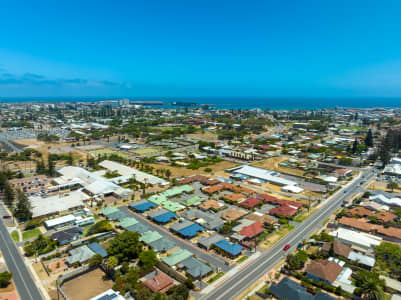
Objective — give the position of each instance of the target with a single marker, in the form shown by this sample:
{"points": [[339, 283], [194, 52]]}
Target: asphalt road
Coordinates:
{"points": [[26, 287], [235, 285]]}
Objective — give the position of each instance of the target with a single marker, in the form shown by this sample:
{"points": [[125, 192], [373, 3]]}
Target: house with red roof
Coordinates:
{"points": [[252, 231], [250, 203], [283, 211]]}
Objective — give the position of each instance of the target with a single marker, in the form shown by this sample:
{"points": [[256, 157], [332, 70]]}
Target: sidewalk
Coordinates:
{"points": [[230, 273]]}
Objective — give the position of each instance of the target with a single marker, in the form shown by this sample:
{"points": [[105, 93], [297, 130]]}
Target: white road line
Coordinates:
{"points": [[15, 263]]}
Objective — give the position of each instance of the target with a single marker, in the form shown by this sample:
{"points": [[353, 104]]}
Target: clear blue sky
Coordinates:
{"points": [[200, 48]]}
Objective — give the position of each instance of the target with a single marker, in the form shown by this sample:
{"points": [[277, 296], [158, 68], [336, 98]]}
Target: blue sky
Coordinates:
{"points": [[200, 48]]}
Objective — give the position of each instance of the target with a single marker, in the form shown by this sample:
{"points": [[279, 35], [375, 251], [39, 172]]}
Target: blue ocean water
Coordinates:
{"points": [[239, 103]]}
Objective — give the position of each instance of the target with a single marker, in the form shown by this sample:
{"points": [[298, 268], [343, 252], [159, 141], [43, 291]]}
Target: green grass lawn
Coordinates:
{"points": [[145, 150], [29, 234], [15, 236], [108, 152], [242, 259], [215, 277]]}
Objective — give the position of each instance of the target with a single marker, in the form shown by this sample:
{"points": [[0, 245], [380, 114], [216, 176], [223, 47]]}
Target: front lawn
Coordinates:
{"points": [[215, 277], [15, 236], [29, 234]]}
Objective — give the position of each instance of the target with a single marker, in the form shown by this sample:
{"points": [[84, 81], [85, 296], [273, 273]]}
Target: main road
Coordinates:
{"points": [[24, 283], [240, 281]]}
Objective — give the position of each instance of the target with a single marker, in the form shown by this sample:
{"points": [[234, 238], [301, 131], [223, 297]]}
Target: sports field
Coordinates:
{"points": [[109, 151]]}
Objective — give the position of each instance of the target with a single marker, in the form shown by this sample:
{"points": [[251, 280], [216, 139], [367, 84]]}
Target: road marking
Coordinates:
{"points": [[15, 263]]}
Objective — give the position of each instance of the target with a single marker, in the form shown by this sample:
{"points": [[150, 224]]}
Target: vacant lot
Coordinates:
{"points": [[87, 286], [273, 163], [108, 151], [208, 135], [382, 186], [183, 172]]}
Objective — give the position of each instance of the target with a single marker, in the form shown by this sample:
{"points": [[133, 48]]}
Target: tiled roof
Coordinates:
{"points": [[232, 214], [338, 247], [252, 230], [283, 210], [324, 269], [250, 202], [160, 282]]}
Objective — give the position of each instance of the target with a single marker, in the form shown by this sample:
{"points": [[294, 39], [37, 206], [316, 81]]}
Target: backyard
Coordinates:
{"points": [[87, 285]]}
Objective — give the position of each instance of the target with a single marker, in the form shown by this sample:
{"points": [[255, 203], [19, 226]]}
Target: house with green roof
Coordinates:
{"points": [[109, 210], [192, 201], [172, 206], [157, 199], [150, 236], [127, 222], [176, 257]]}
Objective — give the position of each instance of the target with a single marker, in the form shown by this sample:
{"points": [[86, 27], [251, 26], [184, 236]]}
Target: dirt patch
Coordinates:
{"points": [[210, 136], [273, 163], [10, 296], [9, 288], [382, 186], [87, 286], [40, 271], [57, 266]]}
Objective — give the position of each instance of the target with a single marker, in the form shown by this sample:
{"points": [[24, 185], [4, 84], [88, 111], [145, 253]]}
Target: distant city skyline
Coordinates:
{"points": [[200, 49]]}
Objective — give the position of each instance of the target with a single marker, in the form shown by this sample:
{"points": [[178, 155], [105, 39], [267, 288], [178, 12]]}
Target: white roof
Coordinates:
{"points": [[393, 169], [383, 199], [49, 205], [356, 238], [109, 294], [331, 179], [292, 189], [60, 220], [127, 171], [362, 259], [263, 174]]}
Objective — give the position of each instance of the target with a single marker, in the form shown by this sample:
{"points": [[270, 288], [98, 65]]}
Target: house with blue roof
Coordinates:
{"points": [[142, 206], [232, 250], [165, 218], [97, 249], [191, 230]]}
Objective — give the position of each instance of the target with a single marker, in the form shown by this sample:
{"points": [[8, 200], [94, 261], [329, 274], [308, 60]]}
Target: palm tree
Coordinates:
{"points": [[370, 284], [111, 263]]}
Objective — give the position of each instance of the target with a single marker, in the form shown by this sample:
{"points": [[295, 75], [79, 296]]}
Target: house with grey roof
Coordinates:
{"points": [[195, 268], [207, 220], [81, 255], [162, 245], [180, 225], [207, 242]]}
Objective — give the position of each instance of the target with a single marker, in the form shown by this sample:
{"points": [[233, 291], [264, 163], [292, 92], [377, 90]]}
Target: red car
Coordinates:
{"points": [[286, 247]]}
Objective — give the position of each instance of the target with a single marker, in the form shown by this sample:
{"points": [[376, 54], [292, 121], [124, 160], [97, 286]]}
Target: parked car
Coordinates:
{"points": [[7, 217]]}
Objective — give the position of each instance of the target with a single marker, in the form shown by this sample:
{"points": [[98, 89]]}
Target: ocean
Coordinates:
{"points": [[238, 103]]}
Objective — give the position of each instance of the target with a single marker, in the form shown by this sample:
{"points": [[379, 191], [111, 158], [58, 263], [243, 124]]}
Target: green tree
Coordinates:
{"points": [[392, 185], [111, 263], [371, 284], [95, 261], [369, 139], [9, 195], [5, 278], [125, 246], [148, 259], [23, 209]]}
